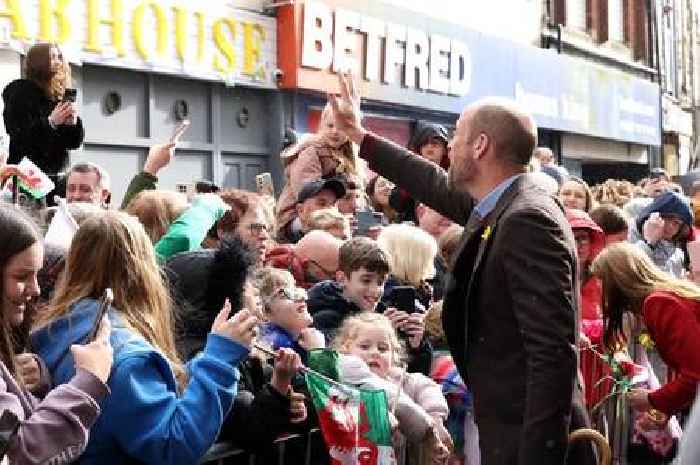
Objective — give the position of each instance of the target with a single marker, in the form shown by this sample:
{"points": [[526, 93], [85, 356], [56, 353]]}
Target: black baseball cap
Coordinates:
{"points": [[312, 188], [656, 173]]}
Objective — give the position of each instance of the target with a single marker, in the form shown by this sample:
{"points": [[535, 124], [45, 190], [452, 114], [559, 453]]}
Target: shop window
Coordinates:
{"points": [[576, 15], [616, 29]]}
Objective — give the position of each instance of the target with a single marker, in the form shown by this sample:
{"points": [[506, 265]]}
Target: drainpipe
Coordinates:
{"points": [[655, 52]]}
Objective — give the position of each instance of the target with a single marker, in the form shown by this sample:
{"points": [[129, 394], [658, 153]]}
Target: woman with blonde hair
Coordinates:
{"points": [[41, 125], [156, 210], [666, 308], [411, 254], [327, 154], [159, 411]]}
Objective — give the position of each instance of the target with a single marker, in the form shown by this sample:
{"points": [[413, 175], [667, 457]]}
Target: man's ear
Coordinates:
{"points": [[481, 145]]}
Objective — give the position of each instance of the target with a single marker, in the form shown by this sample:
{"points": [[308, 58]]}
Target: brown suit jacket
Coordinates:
{"points": [[510, 308]]}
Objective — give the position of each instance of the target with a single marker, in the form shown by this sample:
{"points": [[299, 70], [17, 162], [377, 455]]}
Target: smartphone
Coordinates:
{"points": [[367, 220], [179, 131], [9, 423], [69, 95], [404, 298], [263, 184], [105, 303]]}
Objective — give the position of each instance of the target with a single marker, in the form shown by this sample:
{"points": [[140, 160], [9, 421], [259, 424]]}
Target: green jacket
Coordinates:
{"points": [[189, 230], [141, 182]]}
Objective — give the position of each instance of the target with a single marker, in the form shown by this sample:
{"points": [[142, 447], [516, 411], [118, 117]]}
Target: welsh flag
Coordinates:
{"points": [[354, 422]]}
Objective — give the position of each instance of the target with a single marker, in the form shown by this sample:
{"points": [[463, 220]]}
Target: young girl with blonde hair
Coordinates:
{"points": [[327, 154], [665, 307], [159, 411], [372, 338]]}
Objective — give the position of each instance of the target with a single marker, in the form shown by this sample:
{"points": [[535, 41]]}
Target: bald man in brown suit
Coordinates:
{"points": [[510, 307]]}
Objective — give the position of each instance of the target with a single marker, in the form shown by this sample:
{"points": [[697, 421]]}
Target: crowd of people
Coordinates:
{"points": [[370, 249]]}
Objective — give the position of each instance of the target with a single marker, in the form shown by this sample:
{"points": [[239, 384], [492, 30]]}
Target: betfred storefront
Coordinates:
{"points": [[413, 67], [140, 66]]}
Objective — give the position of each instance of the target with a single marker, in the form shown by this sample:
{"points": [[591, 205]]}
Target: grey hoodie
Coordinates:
{"points": [[55, 430]]}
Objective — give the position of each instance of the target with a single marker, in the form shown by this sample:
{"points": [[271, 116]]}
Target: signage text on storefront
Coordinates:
{"points": [[205, 39]]}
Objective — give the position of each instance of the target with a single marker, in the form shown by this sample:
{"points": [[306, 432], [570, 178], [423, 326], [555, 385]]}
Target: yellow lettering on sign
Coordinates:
{"points": [[115, 21], [50, 12], [253, 36], [180, 32], [223, 40], [201, 35], [14, 14], [161, 28]]}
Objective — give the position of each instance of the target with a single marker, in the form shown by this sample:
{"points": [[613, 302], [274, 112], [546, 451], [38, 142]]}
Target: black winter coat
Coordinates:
{"points": [[329, 308], [27, 109]]}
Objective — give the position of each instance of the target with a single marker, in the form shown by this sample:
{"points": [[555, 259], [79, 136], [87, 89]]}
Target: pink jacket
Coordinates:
{"points": [[414, 421], [423, 391], [309, 160], [54, 430]]}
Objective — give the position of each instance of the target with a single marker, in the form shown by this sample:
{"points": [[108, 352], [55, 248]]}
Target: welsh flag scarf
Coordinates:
{"points": [[354, 422]]}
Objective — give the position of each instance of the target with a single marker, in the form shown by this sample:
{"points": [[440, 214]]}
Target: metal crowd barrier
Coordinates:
{"points": [[286, 450]]}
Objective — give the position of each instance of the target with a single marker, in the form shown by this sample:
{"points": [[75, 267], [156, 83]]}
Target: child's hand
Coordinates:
{"points": [[239, 328], [397, 317], [414, 327], [312, 338], [297, 408], [444, 435], [287, 363], [441, 453]]}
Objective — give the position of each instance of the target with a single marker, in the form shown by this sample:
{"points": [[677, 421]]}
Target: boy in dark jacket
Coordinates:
{"points": [[359, 284]]}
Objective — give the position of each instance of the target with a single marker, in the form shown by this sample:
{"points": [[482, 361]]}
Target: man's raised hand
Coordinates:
{"points": [[346, 109]]}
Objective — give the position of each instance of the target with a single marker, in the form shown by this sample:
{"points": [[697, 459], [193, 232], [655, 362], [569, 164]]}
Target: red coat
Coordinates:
{"points": [[674, 326]]}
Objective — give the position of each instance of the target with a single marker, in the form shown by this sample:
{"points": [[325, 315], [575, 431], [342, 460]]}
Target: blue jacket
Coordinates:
{"points": [[144, 420], [277, 338]]}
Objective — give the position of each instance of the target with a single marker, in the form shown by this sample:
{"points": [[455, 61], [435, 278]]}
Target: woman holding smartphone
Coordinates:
{"points": [[39, 115], [54, 430]]}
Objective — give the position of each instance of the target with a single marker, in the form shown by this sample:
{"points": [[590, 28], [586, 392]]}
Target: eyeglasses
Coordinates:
{"points": [[295, 294], [258, 228]]}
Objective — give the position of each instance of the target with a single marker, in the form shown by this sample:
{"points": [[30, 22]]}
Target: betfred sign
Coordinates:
{"points": [[396, 58], [390, 53]]}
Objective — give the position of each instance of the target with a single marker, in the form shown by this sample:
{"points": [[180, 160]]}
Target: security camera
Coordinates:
{"points": [[278, 74]]}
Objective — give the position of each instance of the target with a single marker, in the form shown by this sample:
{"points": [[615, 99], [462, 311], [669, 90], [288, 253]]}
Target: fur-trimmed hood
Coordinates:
{"points": [[200, 282]]}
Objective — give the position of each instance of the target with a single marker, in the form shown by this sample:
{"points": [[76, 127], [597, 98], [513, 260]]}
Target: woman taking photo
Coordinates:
{"points": [[56, 429], [666, 308], [41, 125], [159, 411]]}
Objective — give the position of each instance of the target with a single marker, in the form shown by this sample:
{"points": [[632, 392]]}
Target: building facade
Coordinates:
{"points": [[414, 66], [141, 66]]}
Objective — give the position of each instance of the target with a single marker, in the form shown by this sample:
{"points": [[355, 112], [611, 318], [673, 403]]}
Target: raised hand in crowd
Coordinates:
{"points": [[287, 364], [346, 109], [239, 328], [653, 229], [28, 370], [411, 324], [160, 155], [63, 114], [414, 327], [96, 357]]}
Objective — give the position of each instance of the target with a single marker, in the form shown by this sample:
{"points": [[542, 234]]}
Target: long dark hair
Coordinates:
{"points": [[17, 233], [37, 68]]}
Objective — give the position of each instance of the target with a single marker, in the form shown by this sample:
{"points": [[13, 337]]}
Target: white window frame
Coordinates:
{"points": [[616, 18], [576, 15]]}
